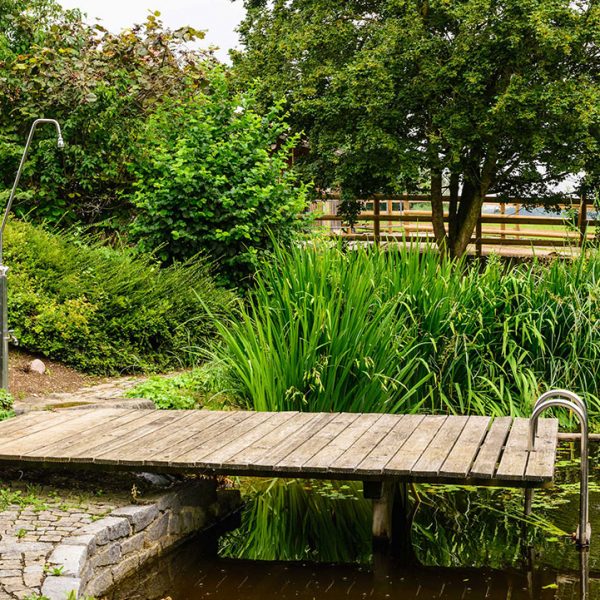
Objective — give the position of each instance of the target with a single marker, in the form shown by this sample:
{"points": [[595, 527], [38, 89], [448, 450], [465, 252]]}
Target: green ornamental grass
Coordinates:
{"points": [[401, 330]]}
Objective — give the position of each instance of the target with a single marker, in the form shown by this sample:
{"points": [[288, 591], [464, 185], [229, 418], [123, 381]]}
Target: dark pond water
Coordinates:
{"points": [[309, 540]]}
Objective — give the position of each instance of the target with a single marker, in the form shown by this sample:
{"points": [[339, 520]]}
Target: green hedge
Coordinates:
{"points": [[107, 310]]}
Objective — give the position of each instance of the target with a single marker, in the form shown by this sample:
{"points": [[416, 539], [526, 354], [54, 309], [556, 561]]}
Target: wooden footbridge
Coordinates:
{"points": [[372, 447], [385, 451]]}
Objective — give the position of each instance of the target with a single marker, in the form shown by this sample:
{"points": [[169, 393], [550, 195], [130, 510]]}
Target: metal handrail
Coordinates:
{"points": [[577, 405], [568, 395]]}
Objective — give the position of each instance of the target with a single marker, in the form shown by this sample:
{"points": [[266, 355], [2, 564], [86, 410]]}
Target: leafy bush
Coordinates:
{"points": [[212, 175], [204, 387], [6, 405], [107, 310], [101, 87], [399, 331]]}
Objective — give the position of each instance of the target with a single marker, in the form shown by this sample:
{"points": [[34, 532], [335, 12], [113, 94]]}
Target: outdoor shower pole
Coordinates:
{"points": [[4, 333]]}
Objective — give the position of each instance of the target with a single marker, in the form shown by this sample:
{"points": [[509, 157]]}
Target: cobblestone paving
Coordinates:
{"points": [[101, 394], [29, 534]]}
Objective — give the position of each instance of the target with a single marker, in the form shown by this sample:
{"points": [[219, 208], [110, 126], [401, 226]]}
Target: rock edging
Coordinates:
{"points": [[106, 551]]}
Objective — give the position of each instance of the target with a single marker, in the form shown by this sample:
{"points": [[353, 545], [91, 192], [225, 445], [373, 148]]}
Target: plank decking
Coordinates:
{"points": [[472, 449]]}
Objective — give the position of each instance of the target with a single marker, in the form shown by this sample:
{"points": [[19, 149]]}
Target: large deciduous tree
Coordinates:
{"points": [[471, 96]]}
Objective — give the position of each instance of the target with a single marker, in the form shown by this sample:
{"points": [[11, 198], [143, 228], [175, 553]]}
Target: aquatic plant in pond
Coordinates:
{"points": [[330, 521], [399, 330], [302, 520]]}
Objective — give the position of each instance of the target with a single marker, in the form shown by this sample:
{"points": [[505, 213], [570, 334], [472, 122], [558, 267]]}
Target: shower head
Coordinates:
{"points": [[60, 142]]}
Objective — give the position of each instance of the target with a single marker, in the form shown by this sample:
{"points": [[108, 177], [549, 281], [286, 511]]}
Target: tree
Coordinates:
{"points": [[473, 96], [101, 87], [212, 176]]}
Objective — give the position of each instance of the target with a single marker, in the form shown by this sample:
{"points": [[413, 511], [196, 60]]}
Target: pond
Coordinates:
{"points": [[311, 539]]}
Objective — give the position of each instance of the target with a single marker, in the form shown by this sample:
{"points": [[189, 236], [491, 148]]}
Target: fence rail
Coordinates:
{"points": [[501, 223]]}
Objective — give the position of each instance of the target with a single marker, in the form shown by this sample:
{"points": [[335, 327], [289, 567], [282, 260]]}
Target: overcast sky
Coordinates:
{"points": [[218, 17]]}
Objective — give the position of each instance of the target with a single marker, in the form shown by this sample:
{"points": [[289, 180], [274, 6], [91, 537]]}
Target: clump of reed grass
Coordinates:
{"points": [[400, 330]]}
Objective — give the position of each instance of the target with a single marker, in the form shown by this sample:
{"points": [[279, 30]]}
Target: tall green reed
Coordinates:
{"points": [[400, 330]]}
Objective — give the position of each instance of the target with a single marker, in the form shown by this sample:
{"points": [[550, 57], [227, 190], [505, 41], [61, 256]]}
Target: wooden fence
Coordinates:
{"points": [[502, 222]]}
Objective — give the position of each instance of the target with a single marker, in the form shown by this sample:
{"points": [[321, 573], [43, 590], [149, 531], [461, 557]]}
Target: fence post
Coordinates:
{"points": [[582, 220], [376, 222]]}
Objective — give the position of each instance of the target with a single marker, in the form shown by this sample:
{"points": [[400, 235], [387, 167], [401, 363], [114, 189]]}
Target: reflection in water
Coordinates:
{"points": [[469, 544]]}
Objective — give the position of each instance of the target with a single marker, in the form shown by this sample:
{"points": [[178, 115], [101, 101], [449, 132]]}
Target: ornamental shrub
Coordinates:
{"points": [[212, 175], [101, 86], [106, 310]]}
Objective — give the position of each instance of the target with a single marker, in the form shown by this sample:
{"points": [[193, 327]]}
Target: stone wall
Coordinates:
{"points": [[106, 551]]}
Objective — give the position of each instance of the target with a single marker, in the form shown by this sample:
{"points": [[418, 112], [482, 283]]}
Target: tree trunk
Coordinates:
{"points": [[471, 201], [437, 211], [467, 225], [453, 207]]}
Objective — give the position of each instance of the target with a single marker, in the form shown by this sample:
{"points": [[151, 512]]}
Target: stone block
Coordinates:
{"points": [[132, 544], [109, 555], [71, 558], [58, 588], [150, 552], [98, 584], [139, 517], [157, 529], [125, 567], [107, 529], [85, 539]]}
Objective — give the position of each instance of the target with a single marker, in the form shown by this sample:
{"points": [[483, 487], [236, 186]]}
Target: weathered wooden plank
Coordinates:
{"points": [[267, 450], [111, 423], [32, 423], [404, 460], [321, 461], [110, 452], [287, 447], [369, 445], [540, 465], [377, 459], [487, 459], [434, 456], [355, 454], [154, 447], [214, 436], [514, 458], [230, 430], [299, 456], [14, 427], [253, 430], [461, 457], [57, 428]]}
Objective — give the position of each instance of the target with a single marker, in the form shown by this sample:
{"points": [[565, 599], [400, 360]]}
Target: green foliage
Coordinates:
{"points": [[6, 400], [166, 392], [212, 176], [399, 331], [106, 310], [480, 96], [204, 387], [101, 87], [302, 520]]}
